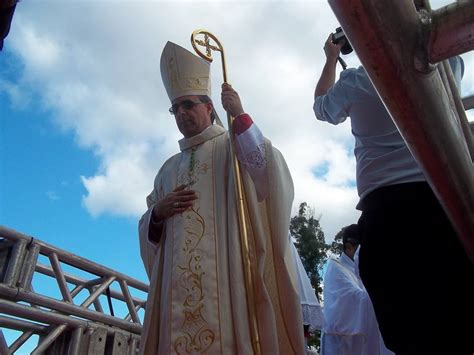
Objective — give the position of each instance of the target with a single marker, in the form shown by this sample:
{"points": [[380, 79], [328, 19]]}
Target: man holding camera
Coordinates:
{"points": [[411, 261]]}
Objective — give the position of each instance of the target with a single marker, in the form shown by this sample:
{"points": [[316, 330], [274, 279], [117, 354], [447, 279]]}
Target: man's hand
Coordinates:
{"points": [[173, 203], [332, 50], [231, 100], [328, 76]]}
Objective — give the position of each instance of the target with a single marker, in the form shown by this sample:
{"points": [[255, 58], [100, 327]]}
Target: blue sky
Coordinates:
{"points": [[84, 125], [41, 190]]}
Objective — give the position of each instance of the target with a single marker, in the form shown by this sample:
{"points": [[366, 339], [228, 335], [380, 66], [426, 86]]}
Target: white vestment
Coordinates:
{"points": [[350, 324], [310, 307], [197, 303]]}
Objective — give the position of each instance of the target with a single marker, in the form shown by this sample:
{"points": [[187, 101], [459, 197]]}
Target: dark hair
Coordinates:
{"points": [[351, 235], [206, 99]]}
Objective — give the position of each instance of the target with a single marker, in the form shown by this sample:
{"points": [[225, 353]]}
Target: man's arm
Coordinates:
{"points": [[328, 76], [250, 142]]}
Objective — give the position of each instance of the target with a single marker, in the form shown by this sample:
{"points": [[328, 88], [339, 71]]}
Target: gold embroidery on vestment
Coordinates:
{"points": [[195, 333]]}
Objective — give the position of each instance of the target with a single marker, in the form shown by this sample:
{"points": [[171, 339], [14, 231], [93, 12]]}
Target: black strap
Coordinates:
{"points": [[109, 300]]}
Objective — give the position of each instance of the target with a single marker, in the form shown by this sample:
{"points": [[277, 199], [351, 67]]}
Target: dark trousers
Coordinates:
{"points": [[416, 272]]}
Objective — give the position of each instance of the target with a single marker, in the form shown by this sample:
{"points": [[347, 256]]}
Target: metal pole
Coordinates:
{"points": [[128, 298], [3, 345], [21, 325], [97, 292], [21, 340], [453, 91], [59, 276], [452, 31], [72, 259], [29, 266], [14, 265], [62, 307], [75, 343], [386, 36], [46, 342], [468, 102]]}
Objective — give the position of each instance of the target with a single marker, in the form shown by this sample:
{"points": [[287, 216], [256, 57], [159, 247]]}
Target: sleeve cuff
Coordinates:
{"points": [[241, 123]]}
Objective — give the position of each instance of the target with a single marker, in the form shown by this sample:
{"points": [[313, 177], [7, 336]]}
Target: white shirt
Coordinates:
{"points": [[381, 154]]}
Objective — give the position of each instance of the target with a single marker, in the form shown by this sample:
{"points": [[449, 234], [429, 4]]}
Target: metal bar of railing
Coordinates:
{"points": [[41, 315], [459, 108], [133, 346], [468, 102], [75, 344], [63, 307], [75, 291], [21, 340], [98, 306], [59, 276], [94, 282], [128, 298], [48, 340], [38, 314], [72, 259], [29, 266], [22, 325], [13, 270], [97, 292], [128, 316], [81, 284], [3, 345], [451, 32]]}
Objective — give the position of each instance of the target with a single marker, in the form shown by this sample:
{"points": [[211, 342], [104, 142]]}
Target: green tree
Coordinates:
{"points": [[312, 248], [336, 245], [310, 243]]}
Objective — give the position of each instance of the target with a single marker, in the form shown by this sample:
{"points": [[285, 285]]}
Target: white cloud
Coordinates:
{"points": [[53, 196], [99, 74]]}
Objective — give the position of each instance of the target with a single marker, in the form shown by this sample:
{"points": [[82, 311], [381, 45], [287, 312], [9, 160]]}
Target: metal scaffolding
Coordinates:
{"points": [[403, 46], [66, 325]]}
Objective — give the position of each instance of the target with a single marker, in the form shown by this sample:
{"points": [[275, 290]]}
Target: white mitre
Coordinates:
{"points": [[184, 73]]}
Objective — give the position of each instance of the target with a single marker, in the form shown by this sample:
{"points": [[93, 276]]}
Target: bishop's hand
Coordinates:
{"points": [[231, 101], [177, 201]]}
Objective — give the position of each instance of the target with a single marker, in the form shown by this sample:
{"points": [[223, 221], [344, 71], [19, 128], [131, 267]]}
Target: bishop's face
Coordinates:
{"points": [[192, 116]]}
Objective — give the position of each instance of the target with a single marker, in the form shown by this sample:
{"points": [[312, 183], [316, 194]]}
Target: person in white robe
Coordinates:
{"points": [[189, 236], [350, 324], [313, 318]]}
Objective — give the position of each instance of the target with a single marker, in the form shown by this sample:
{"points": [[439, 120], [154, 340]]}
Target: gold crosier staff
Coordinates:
{"points": [[241, 201]]}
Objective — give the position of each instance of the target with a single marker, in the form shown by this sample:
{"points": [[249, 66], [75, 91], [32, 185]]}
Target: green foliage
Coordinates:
{"points": [[310, 243], [336, 245], [312, 248]]}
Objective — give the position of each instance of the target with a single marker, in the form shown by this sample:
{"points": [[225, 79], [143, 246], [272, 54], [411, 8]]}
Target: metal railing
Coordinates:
{"points": [[66, 325]]}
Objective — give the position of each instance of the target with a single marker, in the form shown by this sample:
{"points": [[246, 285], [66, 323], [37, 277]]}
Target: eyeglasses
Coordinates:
{"points": [[186, 104]]}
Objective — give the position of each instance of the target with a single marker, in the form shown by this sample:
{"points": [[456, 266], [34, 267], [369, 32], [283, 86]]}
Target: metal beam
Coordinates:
{"points": [[468, 102], [72, 259], [451, 30], [63, 307], [388, 38]]}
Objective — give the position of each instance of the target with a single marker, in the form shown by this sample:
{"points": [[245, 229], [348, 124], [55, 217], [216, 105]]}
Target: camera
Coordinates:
{"points": [[340, 37]]}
